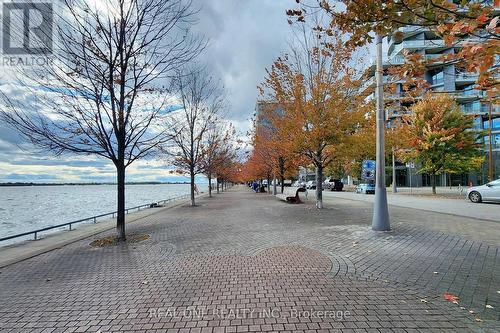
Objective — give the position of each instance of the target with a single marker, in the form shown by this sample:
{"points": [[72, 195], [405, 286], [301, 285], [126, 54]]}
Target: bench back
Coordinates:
{"points": [[292, 191]]}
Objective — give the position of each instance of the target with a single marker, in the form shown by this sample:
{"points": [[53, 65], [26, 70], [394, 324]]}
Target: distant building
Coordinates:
{"points": [[306, 174], [443, 76], [263, 107]]}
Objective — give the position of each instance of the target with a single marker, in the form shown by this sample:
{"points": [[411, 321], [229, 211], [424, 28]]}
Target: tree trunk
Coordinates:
{"points": [[209, 176], [268, 184], [191, 174], [282, 173], [120, 218], [217, 181], [319, 187], [433, 182]]}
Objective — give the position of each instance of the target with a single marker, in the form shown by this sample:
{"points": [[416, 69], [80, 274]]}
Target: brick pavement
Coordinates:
{"points": [[245, 262]]}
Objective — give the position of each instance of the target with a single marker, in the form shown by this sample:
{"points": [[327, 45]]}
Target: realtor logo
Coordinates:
{"points": [[27, 28]]}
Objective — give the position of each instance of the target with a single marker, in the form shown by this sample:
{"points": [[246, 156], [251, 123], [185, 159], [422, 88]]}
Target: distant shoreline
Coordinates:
{"points": [[89, 184]]}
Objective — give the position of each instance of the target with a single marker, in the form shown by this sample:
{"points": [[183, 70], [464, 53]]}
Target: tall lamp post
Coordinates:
{"points": [[380, 220], [394, 186], [490, 138]]}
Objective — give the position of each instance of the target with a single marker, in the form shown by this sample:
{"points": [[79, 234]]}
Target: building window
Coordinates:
{"points": [[471, 107], [478, 121], [495, 122], [437, 78], [495, 138]]}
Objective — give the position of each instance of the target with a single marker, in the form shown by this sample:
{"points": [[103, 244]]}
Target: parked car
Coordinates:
{"points": [[365, 188], [486, 192], [311, 185], [333, 184]]}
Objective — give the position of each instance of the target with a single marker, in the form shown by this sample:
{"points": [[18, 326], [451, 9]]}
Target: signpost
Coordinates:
{"points": [[368, 170]]}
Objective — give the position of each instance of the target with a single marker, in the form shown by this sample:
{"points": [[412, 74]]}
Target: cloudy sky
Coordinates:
{"points": [[245, 36]]}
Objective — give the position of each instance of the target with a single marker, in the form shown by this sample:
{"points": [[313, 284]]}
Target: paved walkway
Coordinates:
{"points": [[246, 262]]}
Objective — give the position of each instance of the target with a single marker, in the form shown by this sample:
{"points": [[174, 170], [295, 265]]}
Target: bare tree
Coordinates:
{"points": [[103, 93], [202, 100]]}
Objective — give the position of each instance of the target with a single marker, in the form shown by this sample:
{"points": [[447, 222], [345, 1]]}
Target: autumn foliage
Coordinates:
{"points": [[322, 116], [473, 26], [441, 138]]}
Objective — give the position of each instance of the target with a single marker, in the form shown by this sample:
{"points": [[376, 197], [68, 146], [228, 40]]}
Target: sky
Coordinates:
{"points": [[244, 37]]}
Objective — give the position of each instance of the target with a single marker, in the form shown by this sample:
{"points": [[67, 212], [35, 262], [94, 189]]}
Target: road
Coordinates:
{"points": [[483, 211]]}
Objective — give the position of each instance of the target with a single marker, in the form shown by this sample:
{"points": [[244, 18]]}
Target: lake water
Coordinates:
{"points": [[26, 208]]}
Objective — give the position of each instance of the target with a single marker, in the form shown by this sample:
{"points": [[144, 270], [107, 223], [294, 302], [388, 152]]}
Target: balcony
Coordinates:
{"points": [[468, 96], [371, 83], [426, 44], [418, 44], [464, 78]]}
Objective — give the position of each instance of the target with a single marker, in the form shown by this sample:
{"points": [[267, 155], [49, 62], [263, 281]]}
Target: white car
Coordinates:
{"points": [[486, 192], [311, 185]]}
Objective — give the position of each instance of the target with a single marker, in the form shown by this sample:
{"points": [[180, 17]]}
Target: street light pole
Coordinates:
{"points": [[490, 138], [394, 187], [380, 220]]}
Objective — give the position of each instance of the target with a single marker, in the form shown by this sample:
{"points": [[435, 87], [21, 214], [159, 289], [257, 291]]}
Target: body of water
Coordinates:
{"points": [[26, 208]]}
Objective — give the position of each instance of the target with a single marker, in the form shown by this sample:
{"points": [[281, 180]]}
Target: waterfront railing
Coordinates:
{"points": [[94, 219]]}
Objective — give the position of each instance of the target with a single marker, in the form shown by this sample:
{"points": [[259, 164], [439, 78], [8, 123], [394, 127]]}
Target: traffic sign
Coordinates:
{"points": [[368, 165]]}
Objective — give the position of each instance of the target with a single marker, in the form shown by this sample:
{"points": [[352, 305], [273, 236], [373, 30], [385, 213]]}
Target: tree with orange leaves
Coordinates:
{"points": [[217, 151], [260, 163], [441, 138], [266, 141], [323, 113], [454, 21]]}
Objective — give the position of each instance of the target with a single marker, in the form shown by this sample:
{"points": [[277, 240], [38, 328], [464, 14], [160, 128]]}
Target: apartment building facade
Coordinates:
{"points": [[442, 76]]}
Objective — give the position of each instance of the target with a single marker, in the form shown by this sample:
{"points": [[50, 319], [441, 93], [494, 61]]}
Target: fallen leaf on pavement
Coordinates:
{"points": [[471, 311], [144, 282], [423, 300], [479, 320], [489, 306], [450, 297]]}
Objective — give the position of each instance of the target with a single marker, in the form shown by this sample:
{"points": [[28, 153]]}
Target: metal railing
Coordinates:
{"points": [[93, 218]]}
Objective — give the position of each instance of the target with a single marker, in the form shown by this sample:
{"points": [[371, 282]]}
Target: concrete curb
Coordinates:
{"points": [[14, 253]]}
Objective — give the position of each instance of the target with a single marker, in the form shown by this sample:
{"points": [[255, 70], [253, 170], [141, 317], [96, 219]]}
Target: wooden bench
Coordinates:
{"points": [[286, 196]]}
